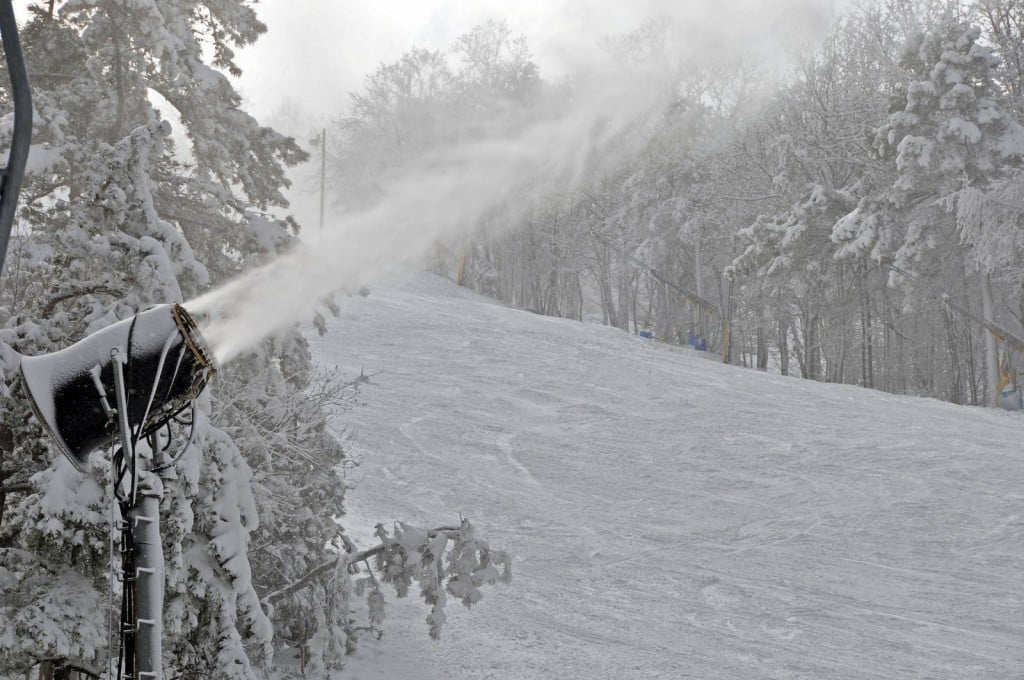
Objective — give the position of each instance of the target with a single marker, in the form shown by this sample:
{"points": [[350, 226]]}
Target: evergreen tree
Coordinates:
{"points": [[117, 218], [948, 131]]}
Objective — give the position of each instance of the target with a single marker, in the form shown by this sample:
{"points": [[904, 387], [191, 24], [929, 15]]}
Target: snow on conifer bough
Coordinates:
{"points": [[73, 391]]}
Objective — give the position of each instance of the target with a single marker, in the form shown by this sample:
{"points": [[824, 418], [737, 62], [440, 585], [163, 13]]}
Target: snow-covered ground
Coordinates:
{"points": [[673, 517]]}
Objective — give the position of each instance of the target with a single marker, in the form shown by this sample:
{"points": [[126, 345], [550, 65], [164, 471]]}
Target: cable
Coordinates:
{"points": [[184, 448], [174, 374], [152, 393]]}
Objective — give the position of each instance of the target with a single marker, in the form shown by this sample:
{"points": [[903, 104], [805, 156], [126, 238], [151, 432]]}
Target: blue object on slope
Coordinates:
{"points": [[1011, 399]]}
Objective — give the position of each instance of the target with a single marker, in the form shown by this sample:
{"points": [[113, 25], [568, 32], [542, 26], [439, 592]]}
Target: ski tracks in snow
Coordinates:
{"points": [[672, 517]]}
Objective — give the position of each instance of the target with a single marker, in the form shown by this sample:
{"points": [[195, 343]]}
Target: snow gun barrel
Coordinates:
{"points": [[166, 364]]}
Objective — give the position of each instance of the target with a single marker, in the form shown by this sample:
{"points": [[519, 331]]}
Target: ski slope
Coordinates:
{"points": [[671, 516]]}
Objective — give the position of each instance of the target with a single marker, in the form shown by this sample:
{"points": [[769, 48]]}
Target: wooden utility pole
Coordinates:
{"points": [[323, 175]]}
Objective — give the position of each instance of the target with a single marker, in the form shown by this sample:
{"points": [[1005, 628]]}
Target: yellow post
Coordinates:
{"points": [[1005, 378], [725, 341], [460, 272]]}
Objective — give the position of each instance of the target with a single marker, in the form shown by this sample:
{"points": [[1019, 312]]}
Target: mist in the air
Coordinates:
{"points": [[447, 191], [443, 195]]}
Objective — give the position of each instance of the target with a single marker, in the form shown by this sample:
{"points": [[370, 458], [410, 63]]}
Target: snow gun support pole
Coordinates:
{"points": [[13, 174], [127, 381], [142, 558]]}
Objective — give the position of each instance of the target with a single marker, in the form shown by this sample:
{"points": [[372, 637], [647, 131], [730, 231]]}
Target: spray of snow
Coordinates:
{"points": [[445, 195], [450, 192]]}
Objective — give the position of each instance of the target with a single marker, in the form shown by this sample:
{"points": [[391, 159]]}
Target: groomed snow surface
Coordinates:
{"points": [[671, 516]]}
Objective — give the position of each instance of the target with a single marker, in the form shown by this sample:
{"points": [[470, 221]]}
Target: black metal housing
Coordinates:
{"points": [[72, 391]]}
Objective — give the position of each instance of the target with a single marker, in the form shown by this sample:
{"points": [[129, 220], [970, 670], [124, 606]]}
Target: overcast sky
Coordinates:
{"points": [[315, 51], [298, 75]]}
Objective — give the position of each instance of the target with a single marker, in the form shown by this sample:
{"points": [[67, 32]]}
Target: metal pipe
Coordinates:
{"points": [[149, 581], [21, 93], [146, 559], [127, 446]]}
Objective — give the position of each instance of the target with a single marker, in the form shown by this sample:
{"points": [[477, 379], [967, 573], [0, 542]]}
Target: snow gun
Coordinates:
{"points": [[128, 379], [124, 382]]}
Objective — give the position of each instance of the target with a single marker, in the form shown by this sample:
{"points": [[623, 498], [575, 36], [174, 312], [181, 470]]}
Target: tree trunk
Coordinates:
{"points": [[6, 444], [698, 279], [119, 76], [3, 494], [762, 349], [991, 350], [972, 360], [867, 372], [609, 317], [835, 366], [578, 293], [623, 292], [725, 310], [783, 322], [811, 349], [956, 386]]}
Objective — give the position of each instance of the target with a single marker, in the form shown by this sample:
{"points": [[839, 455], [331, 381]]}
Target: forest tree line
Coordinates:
{"points": [[825, 216]]}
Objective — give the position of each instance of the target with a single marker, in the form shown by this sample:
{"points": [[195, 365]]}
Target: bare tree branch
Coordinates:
{"points": [[52, 304], [59, 664]]}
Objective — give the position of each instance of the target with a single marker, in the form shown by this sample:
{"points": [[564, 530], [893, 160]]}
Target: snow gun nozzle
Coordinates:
{"points": [[158, 355]]}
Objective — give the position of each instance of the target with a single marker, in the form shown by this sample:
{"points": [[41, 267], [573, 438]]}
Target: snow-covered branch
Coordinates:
{"points": [[307, 579], [444, 561], [50, 667]]}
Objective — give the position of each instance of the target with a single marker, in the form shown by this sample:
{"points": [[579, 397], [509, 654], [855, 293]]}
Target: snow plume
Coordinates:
{"points": [[450, 192], [446, 194]]}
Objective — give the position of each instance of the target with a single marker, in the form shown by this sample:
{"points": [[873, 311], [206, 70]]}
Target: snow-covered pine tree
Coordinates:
{"points": [[116, 218], [952, 138], [948, 131]]}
